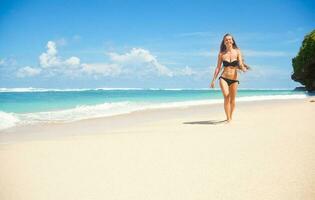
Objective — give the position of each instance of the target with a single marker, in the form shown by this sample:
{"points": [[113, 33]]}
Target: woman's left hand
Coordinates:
{"points": [[212, 84]]}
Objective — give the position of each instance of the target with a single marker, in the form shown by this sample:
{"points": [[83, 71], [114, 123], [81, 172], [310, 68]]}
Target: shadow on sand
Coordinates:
{"points": [[210, 122]]}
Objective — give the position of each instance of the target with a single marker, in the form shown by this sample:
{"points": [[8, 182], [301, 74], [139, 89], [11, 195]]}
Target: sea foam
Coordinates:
{"points": [[8, 120]]}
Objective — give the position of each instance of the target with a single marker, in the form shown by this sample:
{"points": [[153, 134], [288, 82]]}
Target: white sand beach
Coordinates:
{"points": [[265, 153]]}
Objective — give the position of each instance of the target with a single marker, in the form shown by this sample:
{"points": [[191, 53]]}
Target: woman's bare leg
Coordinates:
{"points": [[233, 92], [225, 91]]}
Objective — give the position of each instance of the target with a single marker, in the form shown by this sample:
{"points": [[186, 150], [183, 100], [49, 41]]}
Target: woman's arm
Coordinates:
{"points": [[240, 60], [217, 70]]}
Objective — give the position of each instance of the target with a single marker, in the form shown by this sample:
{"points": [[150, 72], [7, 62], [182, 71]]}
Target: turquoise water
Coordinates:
{"points": [[27, 102], [42, 105]]}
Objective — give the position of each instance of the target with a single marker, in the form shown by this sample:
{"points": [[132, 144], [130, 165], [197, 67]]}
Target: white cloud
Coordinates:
{"points": [[187, 71], [51, 63], [103, 69], [28, 72], [135, 55], [142, 57], [49, 58], [72, 61], [137, 62]]}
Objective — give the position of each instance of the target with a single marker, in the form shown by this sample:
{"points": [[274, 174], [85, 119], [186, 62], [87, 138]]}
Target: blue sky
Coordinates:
{"points": [[147, 44]]}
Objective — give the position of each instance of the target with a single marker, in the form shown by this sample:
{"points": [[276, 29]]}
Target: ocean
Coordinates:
{"points": [[20, 106]]}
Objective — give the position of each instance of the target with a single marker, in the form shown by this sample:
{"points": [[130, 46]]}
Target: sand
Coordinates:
{"points": [[267, 152]]}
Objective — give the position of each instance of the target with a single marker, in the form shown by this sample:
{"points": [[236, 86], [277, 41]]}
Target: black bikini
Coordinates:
{"points": [[229, 81], [233, 64], [227, 63]]}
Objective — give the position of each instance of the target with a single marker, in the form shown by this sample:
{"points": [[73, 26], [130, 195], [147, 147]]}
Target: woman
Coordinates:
{"points": [[231, 57]]}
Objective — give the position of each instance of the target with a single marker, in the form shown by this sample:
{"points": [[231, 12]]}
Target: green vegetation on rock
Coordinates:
{"points": [[304, 63]]}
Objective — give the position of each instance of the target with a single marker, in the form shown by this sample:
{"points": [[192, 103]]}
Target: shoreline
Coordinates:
{"points": [[66, 110], [127, 120], [11, 117]]}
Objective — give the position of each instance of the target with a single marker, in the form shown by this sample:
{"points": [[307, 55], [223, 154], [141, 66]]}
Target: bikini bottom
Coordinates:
{"points": [[229, 81]]}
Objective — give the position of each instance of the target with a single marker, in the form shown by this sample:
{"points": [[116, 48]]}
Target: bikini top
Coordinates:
{"points": [[227, 63]]}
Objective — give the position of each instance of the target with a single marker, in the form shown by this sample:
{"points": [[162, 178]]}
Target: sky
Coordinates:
{"points": [[147, 44]]}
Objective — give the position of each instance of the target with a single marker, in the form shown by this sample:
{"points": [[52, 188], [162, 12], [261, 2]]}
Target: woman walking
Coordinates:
{"points": [[231, 58]]}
